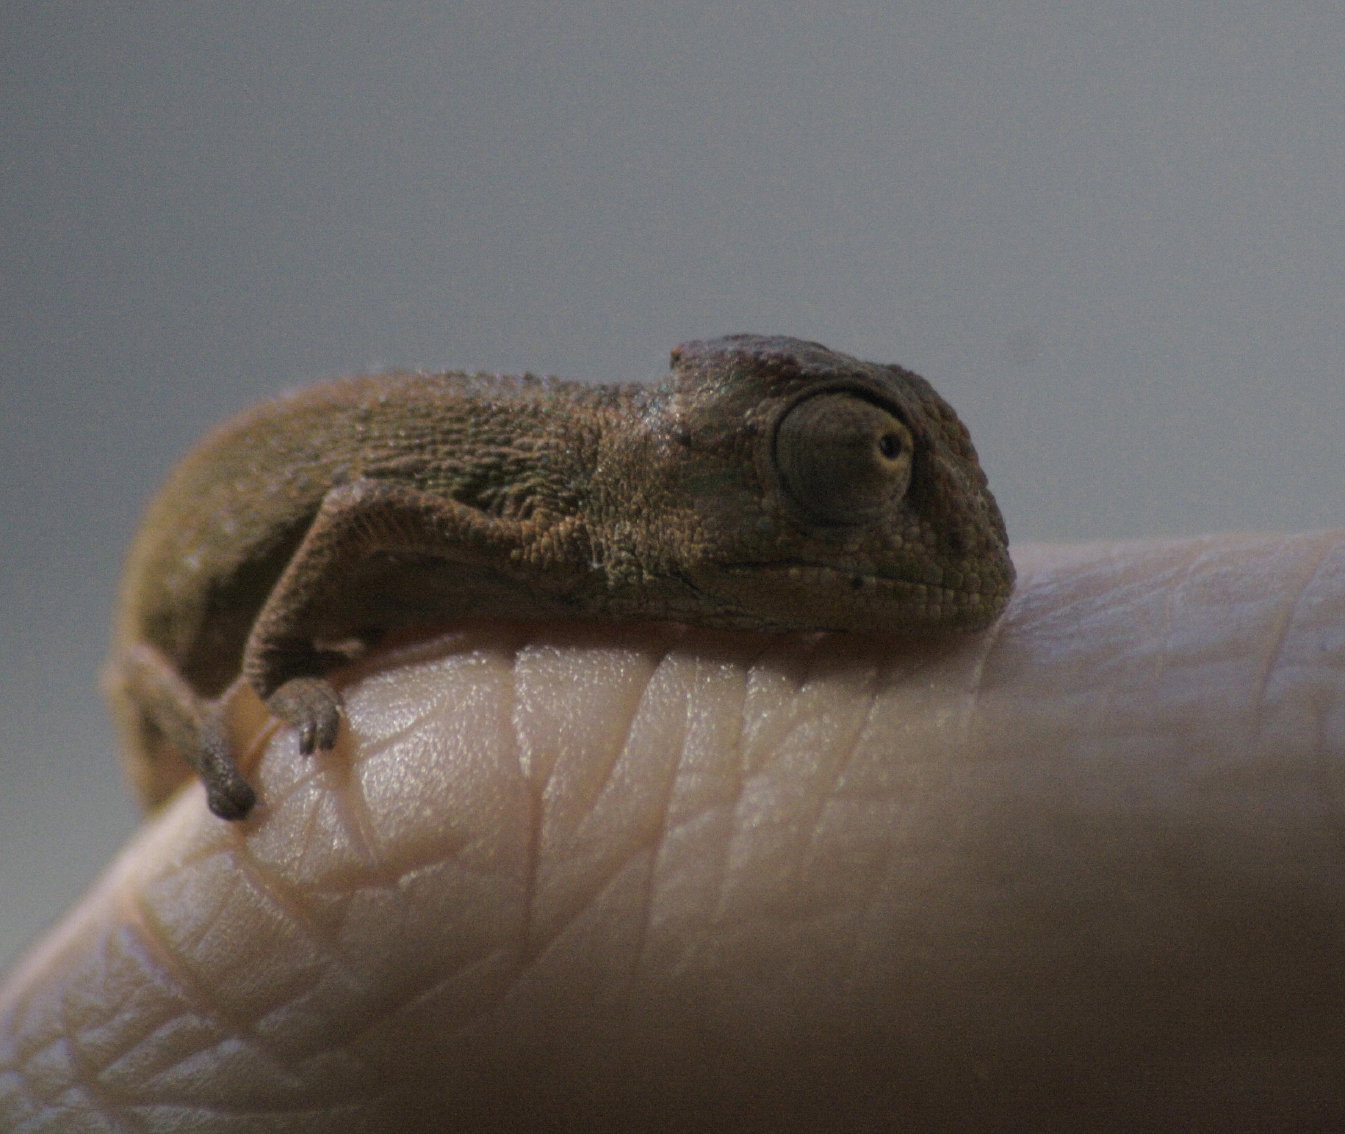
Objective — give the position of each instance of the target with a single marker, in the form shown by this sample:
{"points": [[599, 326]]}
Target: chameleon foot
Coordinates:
{"points": [[230, 801], [227, 793], [312, 706]]}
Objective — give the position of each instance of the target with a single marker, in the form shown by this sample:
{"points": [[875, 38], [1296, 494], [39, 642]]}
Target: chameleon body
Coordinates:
{"points": [[767, 483]]}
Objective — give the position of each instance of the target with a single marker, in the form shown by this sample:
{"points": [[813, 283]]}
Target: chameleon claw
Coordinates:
{"points": [[326, 727]]}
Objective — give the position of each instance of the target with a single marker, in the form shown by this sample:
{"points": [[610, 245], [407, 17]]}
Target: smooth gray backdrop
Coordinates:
{"points": [[1112, 233]]}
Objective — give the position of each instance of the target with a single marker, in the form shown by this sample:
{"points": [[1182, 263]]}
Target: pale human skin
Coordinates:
{"points": [[1084, 871]]}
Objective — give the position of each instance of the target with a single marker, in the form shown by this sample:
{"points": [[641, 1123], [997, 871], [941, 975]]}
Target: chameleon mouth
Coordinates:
{"points": [[858, 582], [836, 598]]}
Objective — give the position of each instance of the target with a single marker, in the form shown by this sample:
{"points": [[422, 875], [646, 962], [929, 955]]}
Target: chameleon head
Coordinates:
{"points": [[813, 490]]}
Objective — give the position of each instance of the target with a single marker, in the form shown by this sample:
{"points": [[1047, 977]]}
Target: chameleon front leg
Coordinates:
{"points": [[281, 660]]}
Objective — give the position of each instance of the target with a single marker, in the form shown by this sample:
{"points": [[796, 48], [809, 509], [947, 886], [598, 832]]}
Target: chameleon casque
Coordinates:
{"points": [[768, 484]]}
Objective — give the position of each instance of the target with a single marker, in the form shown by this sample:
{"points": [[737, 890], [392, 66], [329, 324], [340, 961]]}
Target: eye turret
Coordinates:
{"points": [[843, 459]]}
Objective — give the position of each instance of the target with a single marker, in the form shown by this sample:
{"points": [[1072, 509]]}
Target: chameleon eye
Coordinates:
{"points": [[841, 458]]}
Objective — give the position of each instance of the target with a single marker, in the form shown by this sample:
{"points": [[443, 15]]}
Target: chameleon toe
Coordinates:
{"points": [[312, 706]]}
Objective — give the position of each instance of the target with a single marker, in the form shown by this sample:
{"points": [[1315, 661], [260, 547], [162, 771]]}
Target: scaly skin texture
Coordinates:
{"points": [[768, 484]]}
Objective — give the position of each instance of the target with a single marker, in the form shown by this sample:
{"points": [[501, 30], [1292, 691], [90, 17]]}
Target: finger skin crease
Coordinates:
{"points": [[657, 840], [755, 767], [95, 1080], [1286, 624], [679, 817], [538, 941], [166, 967], [279, 895], [829, 795], [536, 791], [86, 1086], [1294, 671], [357, 824], [981, 664]]}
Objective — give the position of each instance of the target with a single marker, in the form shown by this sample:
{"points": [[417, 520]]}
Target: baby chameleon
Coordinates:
{"points": [[767, 483]]}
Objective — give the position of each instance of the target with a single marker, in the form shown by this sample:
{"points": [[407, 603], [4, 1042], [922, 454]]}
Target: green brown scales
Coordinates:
{"points": [[767, 484]]}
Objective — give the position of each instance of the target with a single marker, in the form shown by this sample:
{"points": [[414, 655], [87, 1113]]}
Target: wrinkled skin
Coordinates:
{"points": [[1080, 873]]}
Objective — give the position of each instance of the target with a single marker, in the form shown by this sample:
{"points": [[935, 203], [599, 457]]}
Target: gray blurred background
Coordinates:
{"points": [[1110, 233]]}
